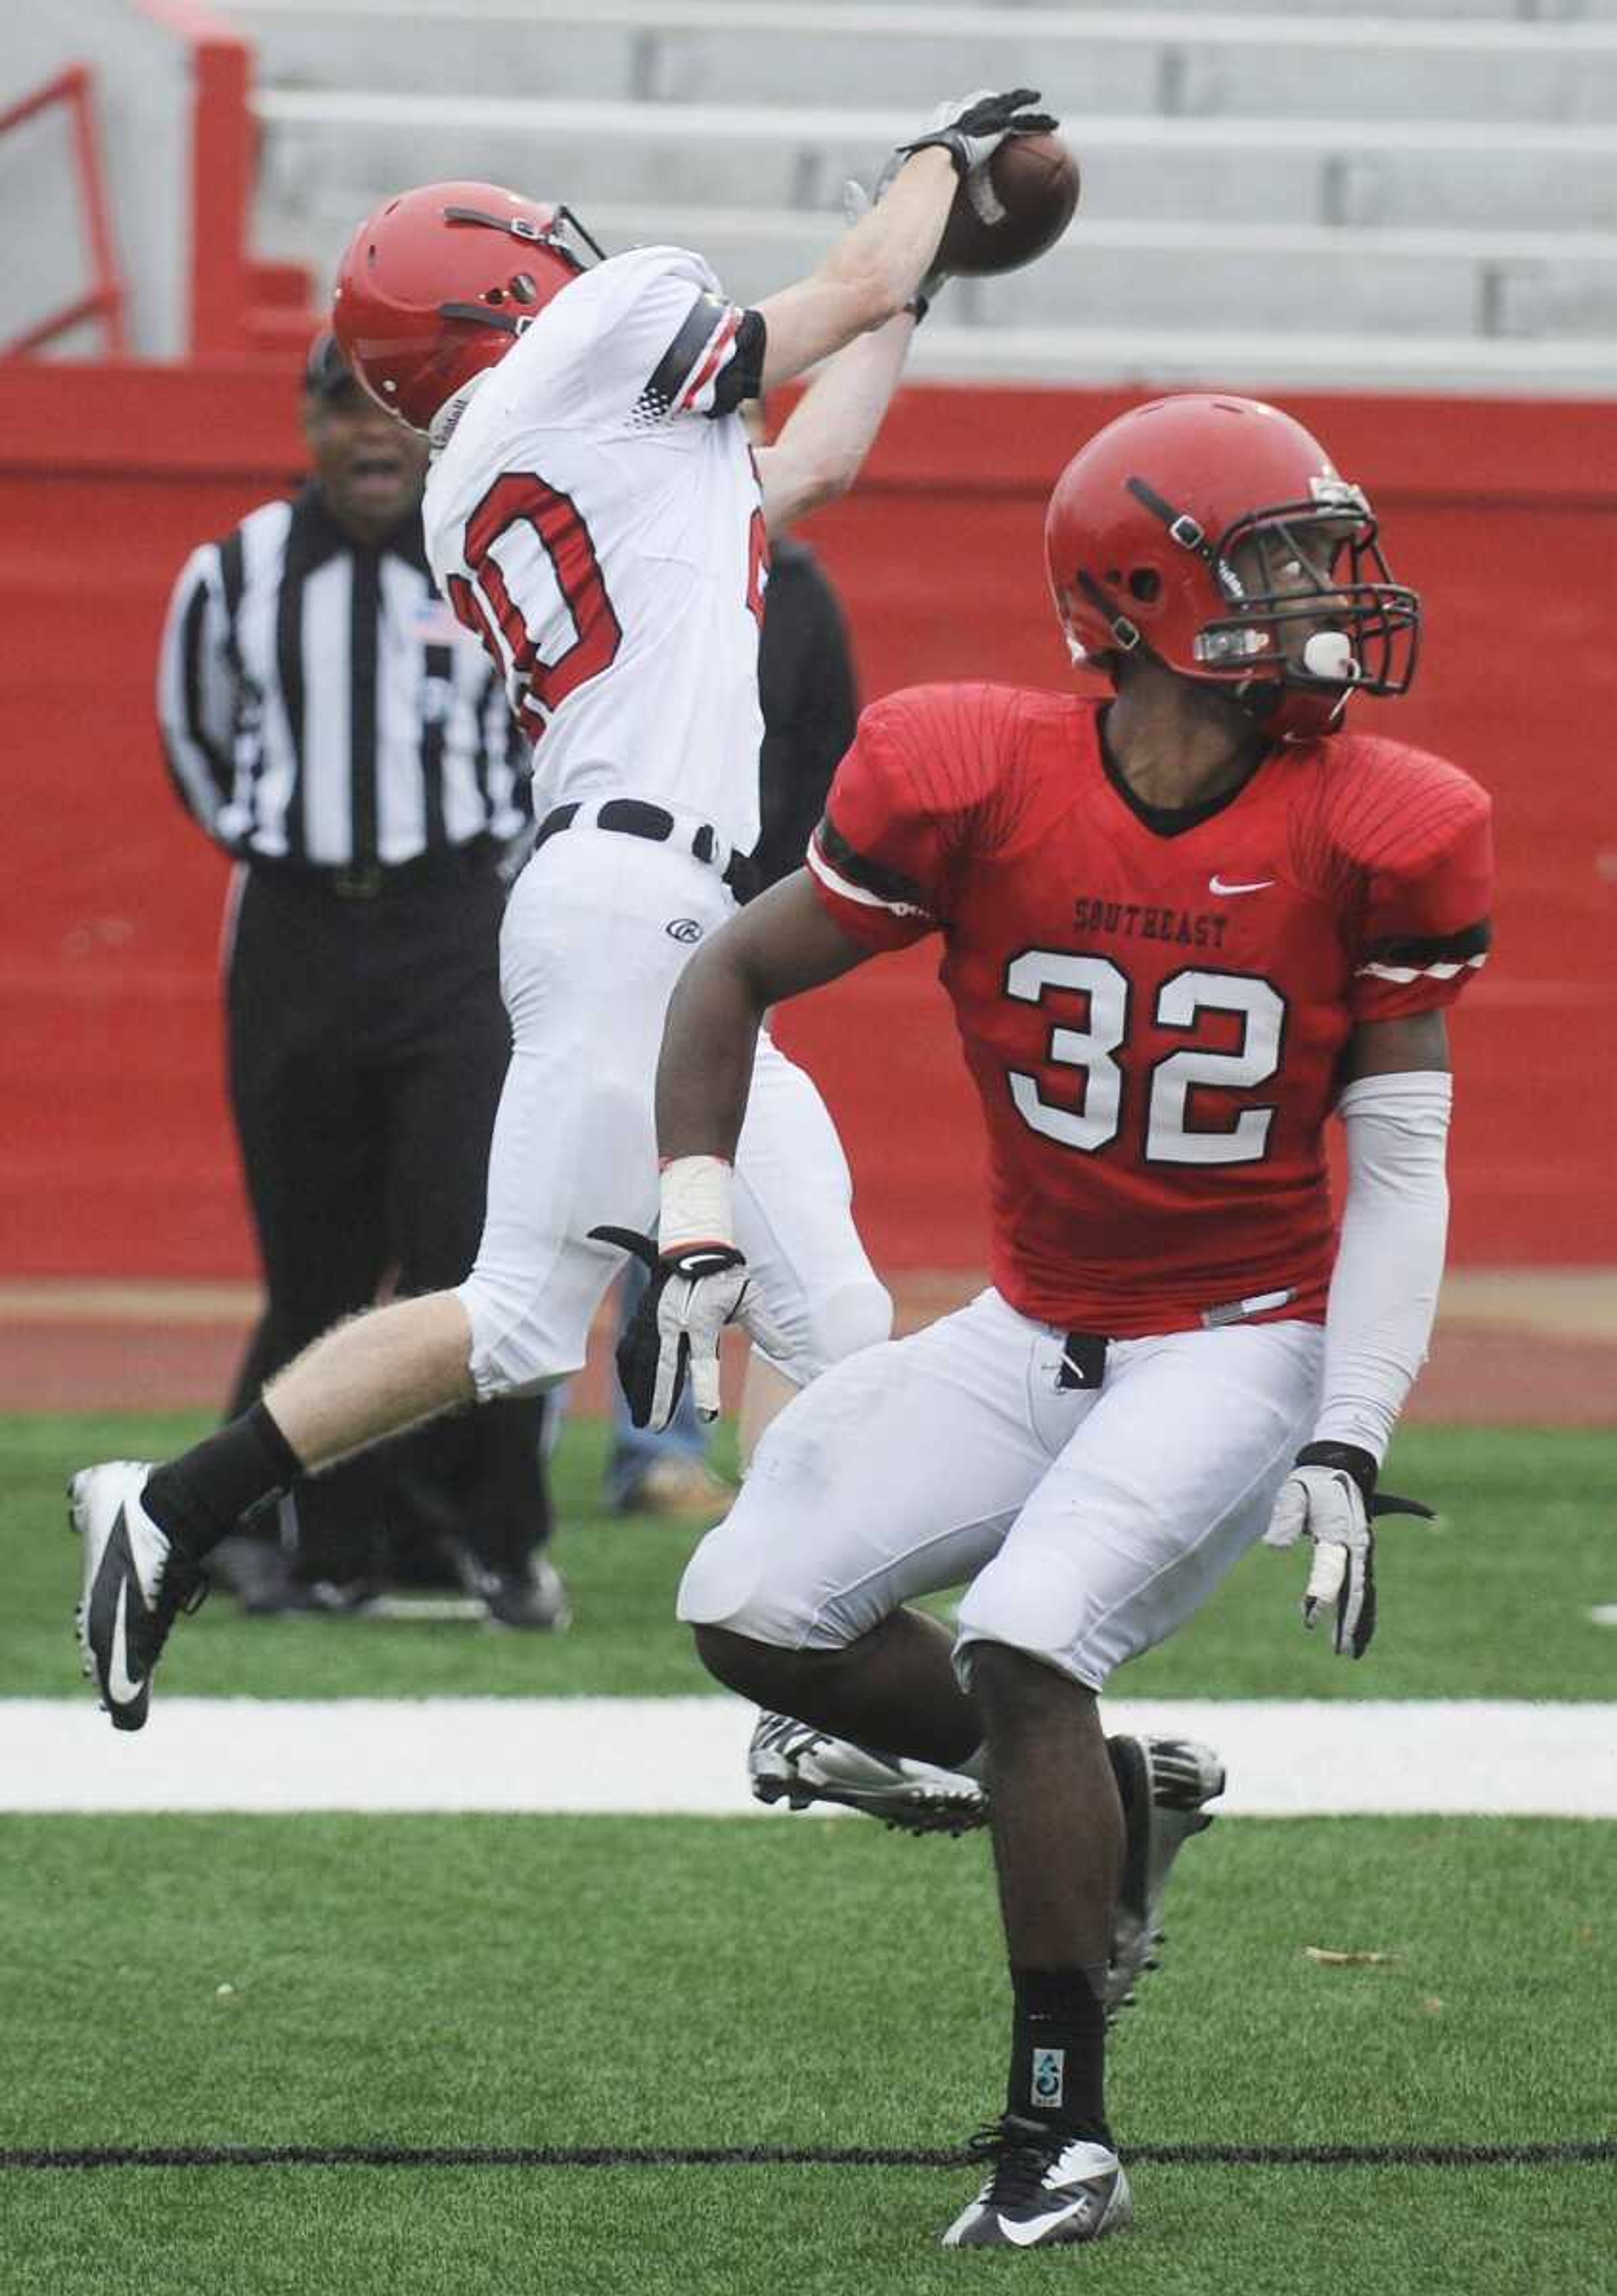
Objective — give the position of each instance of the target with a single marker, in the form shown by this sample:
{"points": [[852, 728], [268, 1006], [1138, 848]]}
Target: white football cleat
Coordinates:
{"points": [[1164, 1784], [788, 1760], [1046, 2190], [135, 1586]]}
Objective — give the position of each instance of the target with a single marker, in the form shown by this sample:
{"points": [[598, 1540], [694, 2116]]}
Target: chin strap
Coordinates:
{"points": [[481, 315]]}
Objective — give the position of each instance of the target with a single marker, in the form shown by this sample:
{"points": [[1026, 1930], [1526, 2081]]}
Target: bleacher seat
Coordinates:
{"points": [[1434, 187]]}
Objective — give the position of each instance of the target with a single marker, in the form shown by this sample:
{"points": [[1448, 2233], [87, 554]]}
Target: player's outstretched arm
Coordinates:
{"points": [[831, 430], [1394, 1108], [782, 944], [874, 269], [868, 277]]}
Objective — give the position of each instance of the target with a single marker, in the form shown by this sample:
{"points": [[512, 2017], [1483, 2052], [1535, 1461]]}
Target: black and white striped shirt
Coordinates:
{"points": [[319, 704]]}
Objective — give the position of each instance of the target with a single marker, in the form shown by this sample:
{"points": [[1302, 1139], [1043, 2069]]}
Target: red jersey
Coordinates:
{"points": [[1154, 1006]]}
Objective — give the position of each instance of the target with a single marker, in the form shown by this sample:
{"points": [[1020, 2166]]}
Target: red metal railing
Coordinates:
{"points": [[221, 173], [105, 299]]}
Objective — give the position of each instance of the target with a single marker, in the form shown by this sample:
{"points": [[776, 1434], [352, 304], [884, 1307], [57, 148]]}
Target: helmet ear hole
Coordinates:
{"points": [[436, 287], [1146, 586]]}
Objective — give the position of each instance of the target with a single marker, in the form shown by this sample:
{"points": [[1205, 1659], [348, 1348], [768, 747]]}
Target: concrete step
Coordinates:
{"points": [[1268, 363], [1403, 12], [1176, 63], [1369, 173], [1507, 284]]}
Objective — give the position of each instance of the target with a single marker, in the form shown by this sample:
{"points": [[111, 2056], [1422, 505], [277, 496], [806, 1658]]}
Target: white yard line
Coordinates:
{"points": [[685, 1756]]}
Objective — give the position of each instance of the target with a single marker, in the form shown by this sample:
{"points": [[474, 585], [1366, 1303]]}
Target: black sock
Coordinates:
{"points": [[200, 1497], [1058, 2052]]}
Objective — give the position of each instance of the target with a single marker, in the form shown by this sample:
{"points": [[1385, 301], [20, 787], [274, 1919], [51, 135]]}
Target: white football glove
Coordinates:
{"points": [[691, 1296], [1328, 1498], [971, 129]]}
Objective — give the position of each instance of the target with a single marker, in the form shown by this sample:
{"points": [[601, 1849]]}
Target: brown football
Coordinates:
{"points": [[1008, 213]]}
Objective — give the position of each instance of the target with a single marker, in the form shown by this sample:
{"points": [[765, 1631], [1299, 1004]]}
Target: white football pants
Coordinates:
{"points": [[1090, 1523], [597, 931]]}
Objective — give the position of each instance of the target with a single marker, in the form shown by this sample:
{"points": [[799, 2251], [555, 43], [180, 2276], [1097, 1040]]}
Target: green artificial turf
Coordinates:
{"points": [[795, 2232], [1491, 1602], [629, 1984]]}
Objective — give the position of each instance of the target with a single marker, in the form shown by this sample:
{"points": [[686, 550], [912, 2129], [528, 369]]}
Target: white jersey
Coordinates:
{"points": [[605, 538]]}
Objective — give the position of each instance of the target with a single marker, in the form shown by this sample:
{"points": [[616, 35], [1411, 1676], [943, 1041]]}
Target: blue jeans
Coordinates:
{"points": [[636, 1448]]}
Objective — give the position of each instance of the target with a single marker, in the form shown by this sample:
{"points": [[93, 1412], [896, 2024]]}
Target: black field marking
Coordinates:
{"points": [[780, 2156]]}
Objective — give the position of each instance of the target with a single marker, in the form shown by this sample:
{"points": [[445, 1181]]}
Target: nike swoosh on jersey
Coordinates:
{"points": [[1216, 884], [122, 1688]]}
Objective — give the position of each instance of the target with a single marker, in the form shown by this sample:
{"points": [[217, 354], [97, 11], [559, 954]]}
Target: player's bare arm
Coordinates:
{"points": [[1394, 1108], [778, 946], [783, 944], [868, 277], [1418, 1041], [825, 441]]}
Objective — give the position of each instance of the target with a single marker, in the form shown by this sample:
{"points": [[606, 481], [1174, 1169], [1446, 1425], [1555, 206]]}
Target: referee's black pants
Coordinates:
{"points": [[367, 1043]]}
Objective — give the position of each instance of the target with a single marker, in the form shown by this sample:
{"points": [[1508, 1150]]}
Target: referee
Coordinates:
{"points": [[327, 722]]}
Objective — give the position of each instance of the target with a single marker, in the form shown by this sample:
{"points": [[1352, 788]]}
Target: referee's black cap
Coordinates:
{"points": [[326, 373]]}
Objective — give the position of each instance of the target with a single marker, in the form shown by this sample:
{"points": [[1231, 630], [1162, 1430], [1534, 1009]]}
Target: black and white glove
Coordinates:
{"points": [[1330, 1496], [971, 129], [692, 1294]]}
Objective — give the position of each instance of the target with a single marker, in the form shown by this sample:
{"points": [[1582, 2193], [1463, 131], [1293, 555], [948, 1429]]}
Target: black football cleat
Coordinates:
{"points": [[534, 1599]]}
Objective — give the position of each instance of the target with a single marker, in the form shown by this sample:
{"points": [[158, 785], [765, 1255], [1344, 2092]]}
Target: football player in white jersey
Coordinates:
{"points": [[595, 513]]}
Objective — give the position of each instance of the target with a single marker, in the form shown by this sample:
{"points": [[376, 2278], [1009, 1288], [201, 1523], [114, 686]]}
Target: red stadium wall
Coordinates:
{"points": [[115, 1147]]}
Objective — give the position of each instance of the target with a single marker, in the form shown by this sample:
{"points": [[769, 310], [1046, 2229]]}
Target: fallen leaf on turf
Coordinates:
{"points": [[1432, 2007], [1328, 1959]]}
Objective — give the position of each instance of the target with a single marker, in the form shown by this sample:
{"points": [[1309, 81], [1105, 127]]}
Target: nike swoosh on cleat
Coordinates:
{"points": [[1022, 2232], [1216, 884], [120, 1689]]}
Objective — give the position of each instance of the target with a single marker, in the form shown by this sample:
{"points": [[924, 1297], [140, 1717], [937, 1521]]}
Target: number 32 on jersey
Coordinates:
{"points": [[1099, 1113]]}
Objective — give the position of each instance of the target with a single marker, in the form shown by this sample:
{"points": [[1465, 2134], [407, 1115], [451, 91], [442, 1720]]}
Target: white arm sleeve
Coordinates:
{"points": [[1390, 1260]]}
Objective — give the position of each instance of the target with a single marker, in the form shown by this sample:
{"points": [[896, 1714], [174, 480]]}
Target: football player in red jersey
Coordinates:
{"points": [[1180, 929]]}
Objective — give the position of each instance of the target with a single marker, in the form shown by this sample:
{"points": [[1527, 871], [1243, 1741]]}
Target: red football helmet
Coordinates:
{"points": [[1214, 533], [439, 283]]}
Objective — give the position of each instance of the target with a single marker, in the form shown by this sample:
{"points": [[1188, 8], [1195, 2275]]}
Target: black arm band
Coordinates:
{"points": [[743, 376], [1346, 1456]]}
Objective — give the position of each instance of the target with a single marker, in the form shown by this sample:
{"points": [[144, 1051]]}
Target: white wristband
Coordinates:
{"points": [[696, 1203]]}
